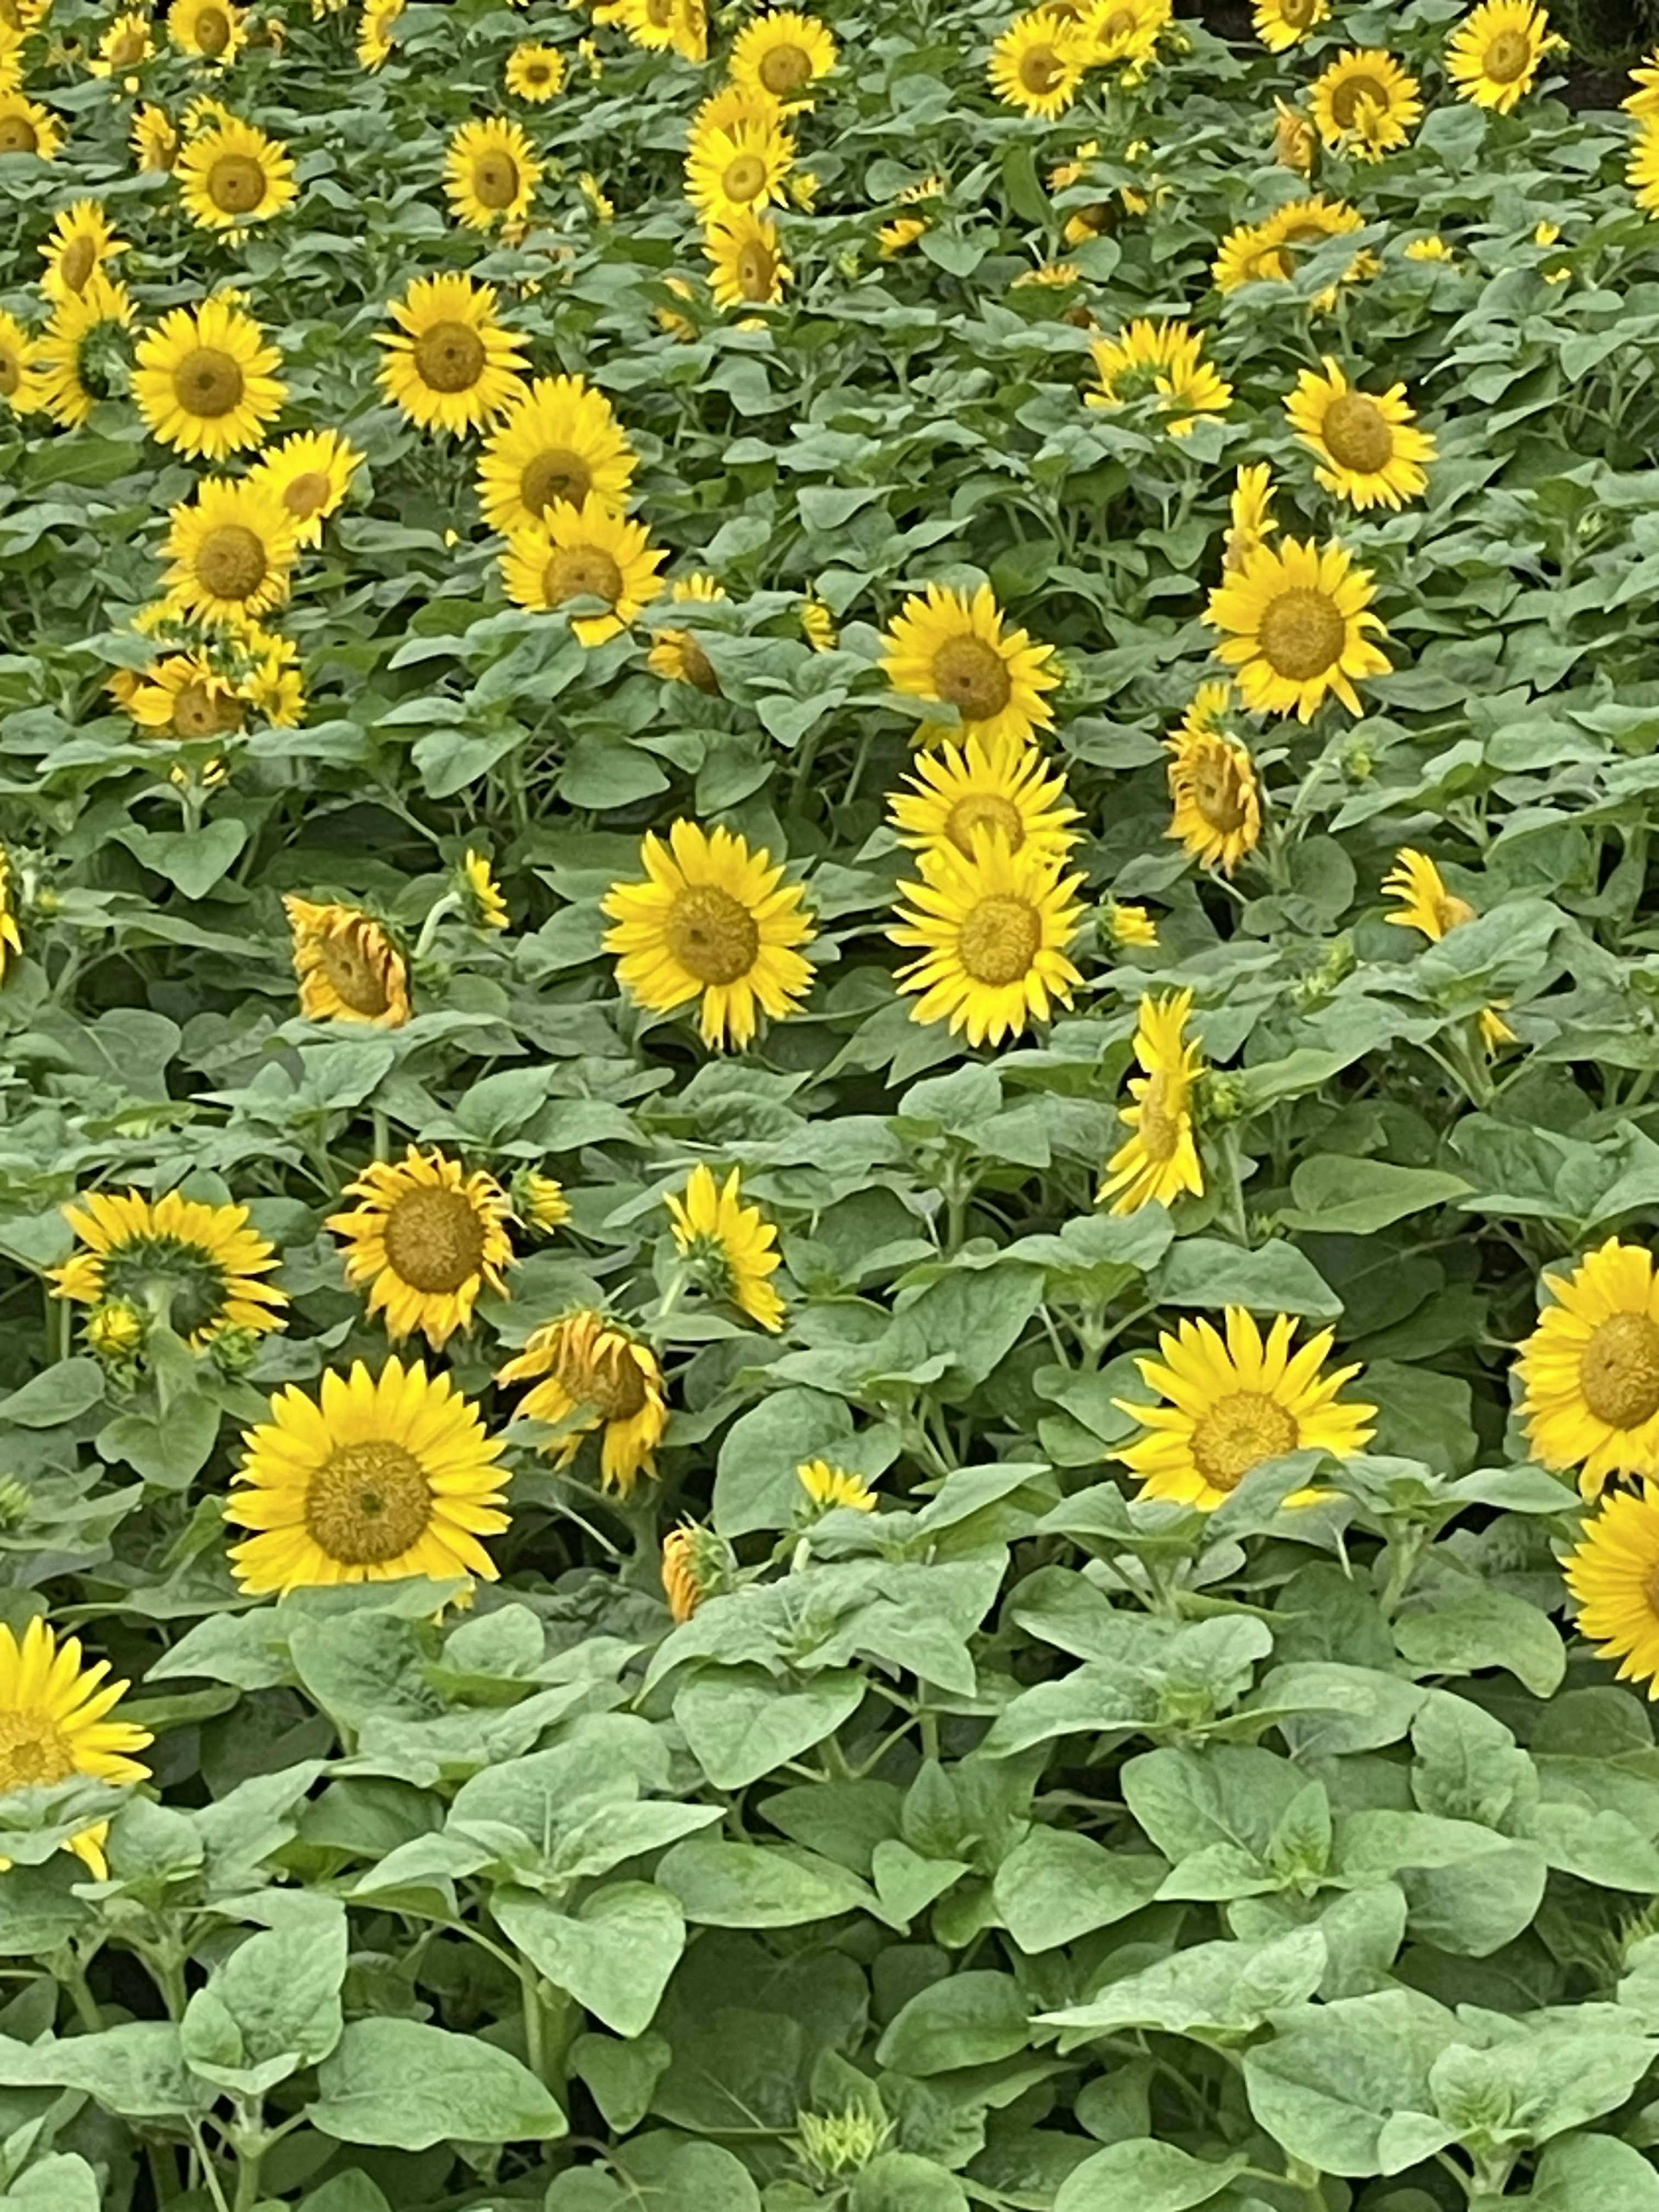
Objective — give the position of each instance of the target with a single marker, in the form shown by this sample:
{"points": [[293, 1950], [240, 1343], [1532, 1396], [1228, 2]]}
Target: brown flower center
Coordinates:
{"points": [[557, 474], [1302, 635], [1237, 1433], [1118, 25], [744, 178], [984, 809], [34, 1750], [208, 382], [695, 667], [205, 710], [1357, 433], [536, 73], [1618, 1371], [236, 183], [368, 1502], [231, 562], [127, 47], [973, 676], [1298, 14], [435, 1239], [756, 271], [713, 935], [581, 572], [1041, 70], [306, 494], [449, 357], [212, 31], [1345, 101], [496, 179], [17, 135], [785, 70], [1508, 58], [358, 978], [660, 13], [999, 939], [80, 258], [613, 1386]]}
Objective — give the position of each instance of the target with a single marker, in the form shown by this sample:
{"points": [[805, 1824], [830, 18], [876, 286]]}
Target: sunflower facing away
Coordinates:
{"points": [[1613, 1577], [1494, 55], [781, 56], [155, 144], [731, 1247], [1214, 794], [1297, 621], [534, 72], [583, 553], [480, 893], [1368, 451], [953, 650], [81, 245], [426, 1240], [490, 173], [1426, 904], [82, 355], [1037, 64], [1004, 784], [27, 127], [375, 1479], [591, 1375], [739, 166], [232, 548], [992, 931], [1158, 1160], [450, 365], [1163, 361], [308, 474], [1366, 102], [1589, 1371], [204, 381], [749, 269], [695, 1562], [232, 175], [711, 920], [1228, 1406], [199, 1265], [56, 1720], [21, 383], [212, 30], [560, 441], [1280, 24]]}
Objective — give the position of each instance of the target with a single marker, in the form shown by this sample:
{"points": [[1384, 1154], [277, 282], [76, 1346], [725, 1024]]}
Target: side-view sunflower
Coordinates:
{"points": [[1613, 1577], [348, 967], [197, 1264], [374, 28], [712, 920], [81, 245], [1365, 101], [231, 175], [1165, 362], [426, 1240], [212, 30], [56, 1719], [534, 72], [375, 1479], [829, 1487], [749, 269], [27, 127], [1251, 520], [945, 646], [1281, 24], [1298, 624], [233, 549], [731, 1247], [696, 1562], [82, 355], [128, 42], [450, 365], [1158, 1159], [992, 933], [1037, 64], [780, 55], [1230, 1406], [560, 442], [1589, 1371], [1641, 171], [739, 166], [591, 1375], [579, 553], [490, 172], [1369, 453], [155, 143], [1426, 904], [308, 476], [657, 25], [21, 384], [1005, 785], [1123, 35], [1214, 794], [204, 382], [1494, 55], [675, 653]]}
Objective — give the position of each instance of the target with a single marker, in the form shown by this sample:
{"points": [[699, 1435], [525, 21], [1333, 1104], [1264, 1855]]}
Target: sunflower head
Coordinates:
{"points": [[829, 1487], [203, 380], [349, 968], [1158, 1159], [1297, 625], [953, 648], [1589, 1371], [195, 1266], [592, 1376], [697, 1564], [490, 173], [731, 1248], [1038, 64], [56, 1719], [991, 933]]}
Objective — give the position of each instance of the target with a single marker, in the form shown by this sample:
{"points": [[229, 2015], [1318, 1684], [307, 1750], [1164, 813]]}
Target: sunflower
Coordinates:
{"points": [[660, 24], [896, 237], [1295, 140], [83, 353], [694, 1564], [1037, 64], [739, 166], [1426, 903], [125, 44], [1280, 24], [993, 931], [374, 29], [1494, 55], [1251, 520], [450, 366], [953, 650], [21, 384], [1214, 795], [11, 939], [231, 175], [1296, 620], [1127, 925], [203, 381], [1642, 172], [349, 968], [1230, 1406], [1429, 249], [185, 695], [1003, 784], [1126, 32], [817, 625], [675, 655], [586, 552], [1589, 1371], [559, 442], [54, 1722], [308, 474], [731, 104], [212, 29], [427, 1240], [1613, 1577], [197, 1266], [1370, 452], [155, 141], [731, 1247], [1158, 1159], [779, 56], [592, 1374], [1644, 101], [534, 72], [232, 548], [486, 908], [749, 268], [80, 245], [26, 127], [1163, 362], [490, 173], [541, 1200], [1267, 251], [828, 1487], [1365, 101], [374, 1478]]}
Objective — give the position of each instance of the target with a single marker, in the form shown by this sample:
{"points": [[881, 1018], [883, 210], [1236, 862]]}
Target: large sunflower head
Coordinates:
{"points": [[576, 554], [81, 246], [781, 56], [427, 1239], [737, 165], [374, 1478], [950, 648], [1366, 102], [308, 474], [84, 352], [27, 127], [1281, 24], [1158, 1159], [449, 364], [991, 931], [196, 1267], [203, 380], [1038, 63], [1425, 902], [560, 442], [731, 1247], [1163, 362], [349, 968], [232, 548], [56, 1720], [1589, 1371], [534, 72], [23, 386], [231, 175], [1005, 785], [1229, 1405], [1369, 452], [1494, 55], [490, 172], [211, 30], [1613, 1577], [713, 921], [591, 1375], [1214, 795], [1297, 621], [749, 269]]}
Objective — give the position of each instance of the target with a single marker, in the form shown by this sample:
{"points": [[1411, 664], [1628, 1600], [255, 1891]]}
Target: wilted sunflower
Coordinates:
{"points": [[349, 968], [203, 381], [945, 646], [1230, 1406], [780, 55], [1158, 1159], [992, 931], [731, 1247], [1298, 619], [231, 175], [586, 552], [829, 1487], [308, 474], [23, 386], [81, 246], [675, 653], [375, 1479], [1251, 520], [534, 72], [1370, 452], [450, 365], [560, 441], [1613, 1577], [11, 938], [427, 1240], [1642, 172], [197, 1264], [1215, 797], [738, 166], [128, 42], [1589, 1371], [232, 548], [592, 1374], [1163, 361], [27, 127], [1003, 784], [56, 1720], [749, 268], [490, 172], [1365, 78], [212, 30], [82, 354], [1493, 56], [155, 141], [694, 1564], [1280, 24]]}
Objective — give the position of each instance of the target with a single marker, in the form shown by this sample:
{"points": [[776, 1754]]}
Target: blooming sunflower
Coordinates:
{"points": [[308, 474], [1589, 1371], [231, 175], [992, 931], [490, 172], [1163, 361], [1426, 904], [1230, 1406], [27, 127], [1370, 451], [1214, 795], [1365, 101], [1613, 1577], [427, 1240], [560, 441], [1280, 24], [349, 968], [1251, 520], [82, 351], [660, 24], [951, 649], [374, 1478], [586, 552], [11, 940], [197, 1264], [780, 55], [1124, 34], [1642, 172], [1429, 249], [730, 1246], [1158, 1159], [1003, 784], [1296, 620], [590, 1374], [712, 920], [828, 1486], [675, 653], [374, 28], [450, 365], [1493, 56], [749, 269], [1037, 64], [202, 380], [155, 141], [1644, 100], [21, 385], [125, 44], [534, 72], [55, 1721], [212, 30], [738, 167], [232, 548], [187, 697], [1295, 140], [80, 245]]}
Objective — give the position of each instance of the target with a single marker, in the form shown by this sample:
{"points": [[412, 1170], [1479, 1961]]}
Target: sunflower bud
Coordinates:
{"points": [[234, 1350], [1128, 925], [115, 1332], [695, 1565], [817, 625], [835, 2143], [15, 1499], [1222, 1097]]}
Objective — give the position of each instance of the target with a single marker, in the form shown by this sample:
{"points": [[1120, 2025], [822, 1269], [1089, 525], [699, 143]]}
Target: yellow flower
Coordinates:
{"points": [[212, 30], [482, 892], [828, 1486], [1129, 925], [231, 175], [660, 24], [1251, 520], [739, 166], [541, 1200], [893, 238], [1644, 101], [490, 173], [560, 441], [675, 655], [695, 1565], [1127, 32], [197, 1265], [592, 1374], [1005, 785], [1163, 361], [1213, 791], [1426, 904], [450, 365], [732, 1246], [1589, 1371], [1365, 101], [992, 931], [1037, 64], [21, 385], [308, 474], [586, 552], [714, 921], [80, 244], [375, 1479], [54, 1722], [1057, 273], [203, 381], [952, 650], [26, 127], [534, 72], [1280, 24], [77, 351], [1371, 455], [604, 207], [1494, 55], [125, 44], [780, 55], [187, 697], [1296, 620], [427, 1240], [114, 1331], [155, 141], [1429, 249], [11, 940], [375, 31], [349, 968], [733, 103], [232, 548], [1158, 1159], [1295, 139], [1265, 252], [1613, 1577], [817, 625], [749, 268], [1229, 1406], [1643, 171]]}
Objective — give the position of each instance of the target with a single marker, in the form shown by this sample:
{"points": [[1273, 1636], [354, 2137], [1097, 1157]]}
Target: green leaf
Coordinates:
{"points": [[400, 2083], [722, 1885], [741, 1722], [271, 2007], [1336, 1193], [899, 2181], [966, 2020], [1146, 2175], [1056, 1885], [55, 1395], [1598, 2171], [137, 2070], [1346, 2086], [1208, 1987], [1481, 1628], [613, 1953], [1275, 1278], [53, 2183]]}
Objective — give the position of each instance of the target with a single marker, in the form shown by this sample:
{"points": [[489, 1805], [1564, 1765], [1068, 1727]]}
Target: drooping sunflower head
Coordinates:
{"points": [[697, 1563], [946, 647], [1369, 453], [426, 1239], [782, 55], [738, 166], [155, 143], [539, 1201], [1214, 795], [126, 44], [1494, 55], [582, 554], [480, 893], [1003, 784], [1295, 140], [84, 354], [205, 380], [829, 1487], [1589, 1371], [27, 127], [1613, 1577], [196, 1267], [749, 269], [731, 1248], [1158, 1160], [534, 72], [560, 442], [1366, 102], [349, 968], [308, 474], [490, 173], [1280, 24], [449, 364], [57, 1720], [1297, 625], [233, 549], [1425, 902], [231, 175], [591, 1375], [211, 30], [659, 25], [1038, 63], [675, 653], [81, 246], [1127, 925], [991, 933], [1163, 362]]}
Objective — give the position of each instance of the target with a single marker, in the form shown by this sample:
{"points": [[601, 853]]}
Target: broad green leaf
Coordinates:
{"points": [[966, 2020], [403, 2084], [1148, 2175], [1056, 1885], [613, 1953], [1333, 1193], [721, 1885], [742, 1723]]}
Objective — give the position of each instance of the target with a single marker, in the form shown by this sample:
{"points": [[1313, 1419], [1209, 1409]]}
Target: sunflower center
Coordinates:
{"points": [[1117, 24], [127, 47], [755, 272], [973, 676], [984, 809], [1302, 633], [581, 572], [357, 979], [449, 357], [999, 939], [742, 177], [1218, 794], [204, 710], [80, 259], [712, 934], [34, 1750], [557, 474], [235, 184], [1237, 1433], [17, 135], [306, 494], [11, 372], [212, 31], [1356, 434], [785, 70], [368, 1502], [1618, 1371], [537, 72], [496, 179], [614, 1388], [434, 1240], [1345, 101], [1041, 70], [231, 562], [209, 382], [1298, 14], [1508, 57], [1159, 1126], [1452, 912]]}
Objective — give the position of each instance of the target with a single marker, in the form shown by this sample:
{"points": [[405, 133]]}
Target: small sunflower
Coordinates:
{"points": [[231, 175], [197, 1265], [828, 1487], [749, 269], [1426, 904], [781, 56], [695, 1565], [1644, 100], [490, 173], [56, 1720], [1005, 785], [590, 1376], [732, 104], [375, 1479], [1364, 78], [1124, 34], [1214, 794], [730, 1246], [949, 648], [1613, 1577], [426, 1240], [485, 906], [1295, 140], [1158, 1159], [1251, 520], [27, 127], [232, 548], [212, 30], [374, 27], [82, 354], [1371, 454], [1127, 925], [127, 44], [1281, 24], [11, 938], [560, 442], [586, 552], [898, 236], [202, 380], [1642, 172], [738, 167], [450, 365], [1589, 1371], [1163, 362], [1494, 55], [187, 697], [21, 384], [155, 144], [81, 246], [817, 625], [1429, 249], [534, 72], [675, 653], [1298, 619], [1038, 64], [541, 1200], [349, 968], [1230, 1406], [659, 25], [308, 476], [992, 931]]}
